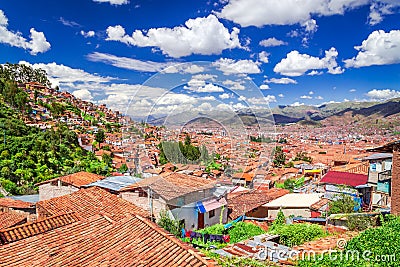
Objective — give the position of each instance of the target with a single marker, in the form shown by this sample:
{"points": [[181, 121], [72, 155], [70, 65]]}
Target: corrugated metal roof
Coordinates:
{"points": [[379, 156], [115, 183]]}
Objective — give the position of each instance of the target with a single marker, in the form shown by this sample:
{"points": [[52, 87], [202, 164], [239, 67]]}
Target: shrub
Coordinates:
{"points": [[297, 234], [241, 231]]}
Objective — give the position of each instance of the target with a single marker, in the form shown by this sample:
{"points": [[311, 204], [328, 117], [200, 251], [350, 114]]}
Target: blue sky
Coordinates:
{"points": [[295, 52]]}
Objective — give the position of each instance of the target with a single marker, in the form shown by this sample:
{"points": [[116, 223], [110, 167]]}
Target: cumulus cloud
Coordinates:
{"points": [[225, 96], [231, 66], [296, 64], [264, 87], [203, 35], [283, 12], [379, 9], [383, 94], [306, 97], [59, 74], [271, 42], [263, 56], [87, 34], [284, 80], [234, 85], [37, 44], [352, 90], [296, 104], [83, 94], [202, 87], [262, 101], [380, 48], [281, 95], [113, 2]]}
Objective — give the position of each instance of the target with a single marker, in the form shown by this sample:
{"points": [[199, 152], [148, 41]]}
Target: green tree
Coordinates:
{"points": [[279, 156], [342, 204], [100, 136]]}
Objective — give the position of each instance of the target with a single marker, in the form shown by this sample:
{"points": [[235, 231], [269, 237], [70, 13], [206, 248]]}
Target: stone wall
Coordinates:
{"points": [[48, 191]]}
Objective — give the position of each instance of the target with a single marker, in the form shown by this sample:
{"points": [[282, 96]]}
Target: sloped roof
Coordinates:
{"points": [[15, 204], [344, 178], [88, 202], [99, 241], [10, 219], [115, 183], [250, 200], [295, 200], [173, 185], [76, 179]]}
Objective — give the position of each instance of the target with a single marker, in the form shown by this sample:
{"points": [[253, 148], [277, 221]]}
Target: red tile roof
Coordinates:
{"points": [[133, 241], [344, 178], [88, 202], [10, 219], [76, 179], [173, 185], [23, 231], [248, 201], [15, 204]]}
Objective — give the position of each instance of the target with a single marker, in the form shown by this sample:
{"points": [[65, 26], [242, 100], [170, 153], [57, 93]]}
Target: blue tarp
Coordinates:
{"points": [[232, 222], [200, 207]]}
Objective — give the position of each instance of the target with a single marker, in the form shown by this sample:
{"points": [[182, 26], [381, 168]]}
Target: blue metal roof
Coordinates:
{"points": [[27, 198], [115, 183]]}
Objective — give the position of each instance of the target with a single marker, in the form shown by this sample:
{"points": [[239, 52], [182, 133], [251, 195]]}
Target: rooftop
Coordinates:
{"points": [[76, 179], [344, 178], [88, 202], [10, 219], [133, 241], [15, 204], [295, 200], [115, 183]]}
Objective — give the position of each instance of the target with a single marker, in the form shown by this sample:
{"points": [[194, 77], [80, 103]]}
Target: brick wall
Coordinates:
{"points": [[396, 181]]}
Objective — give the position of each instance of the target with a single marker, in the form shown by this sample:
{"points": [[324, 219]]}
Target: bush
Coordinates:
{"points": [[241, 231], [360, 223], [169, 224], [297, 234]]}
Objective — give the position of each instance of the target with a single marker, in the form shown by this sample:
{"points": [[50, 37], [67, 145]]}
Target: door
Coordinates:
{"points": [[200, 220]]}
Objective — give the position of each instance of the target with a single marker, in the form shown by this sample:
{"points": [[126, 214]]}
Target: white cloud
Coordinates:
{"points": [[352, 90], [264, 87], [231, 66], [319, 97], [271, 42], [262, 100], [384, 94], [225, 96], [234, 85], [37, 44], [380, 48], [205, 36], [87, 34], [314, 72], [297, 104], [310, 26], [263, 56], [59, 74], [242, 98], [283, 12], [281, 95], [207, 88], [69, 23], [83, 94], [311, 93], [284, 80], [147, 66], [306, 97], [113, 2], [379, 9], [296, 64]]}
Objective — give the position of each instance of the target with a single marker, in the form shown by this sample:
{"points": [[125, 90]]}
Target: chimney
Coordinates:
{"points": [[395, 202]]}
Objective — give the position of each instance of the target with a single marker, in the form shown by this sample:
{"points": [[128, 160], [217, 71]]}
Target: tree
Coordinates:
{"points": [[123, 168], [100, 136], [342, 204], [279, 156]]}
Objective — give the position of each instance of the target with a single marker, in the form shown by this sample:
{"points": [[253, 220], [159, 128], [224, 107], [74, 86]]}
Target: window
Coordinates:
{"points": [[211, 213], [142, 193]]}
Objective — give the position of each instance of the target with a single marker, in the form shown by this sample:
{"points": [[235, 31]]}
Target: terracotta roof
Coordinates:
{"points": [[248, 201], [344, 178], [76, 179], [98, 241], [15, 204], [322, 202], [173, 185], [30, 229], [88, 202], [10, 219]]}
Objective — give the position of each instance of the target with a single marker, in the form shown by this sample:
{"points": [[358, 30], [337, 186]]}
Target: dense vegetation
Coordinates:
{"points": [[378, 246], [29, 155], [178, 152]]}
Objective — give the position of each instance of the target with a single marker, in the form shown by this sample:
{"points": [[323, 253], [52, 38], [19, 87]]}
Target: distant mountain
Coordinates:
{"points": [[287, 114]]}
